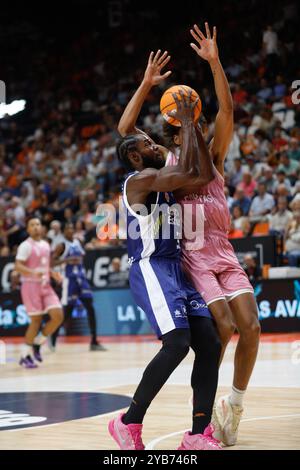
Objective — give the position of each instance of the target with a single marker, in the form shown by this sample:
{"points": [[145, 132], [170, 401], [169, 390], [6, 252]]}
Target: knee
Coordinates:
{"points": [[210, 347], [250, 333], [178, 343], [35, 321], [226, 329], [58, 317]]}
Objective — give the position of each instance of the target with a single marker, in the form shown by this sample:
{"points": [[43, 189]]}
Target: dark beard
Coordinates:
{"points": [[150, 162]]}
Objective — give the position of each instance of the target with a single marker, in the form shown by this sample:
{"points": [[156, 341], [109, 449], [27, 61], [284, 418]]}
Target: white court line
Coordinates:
{"points": [[151, 445]]}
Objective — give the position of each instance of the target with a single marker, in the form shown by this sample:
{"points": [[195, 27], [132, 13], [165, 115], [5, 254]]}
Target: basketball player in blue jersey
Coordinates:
{"points": [[174, 308], [75, 284]]}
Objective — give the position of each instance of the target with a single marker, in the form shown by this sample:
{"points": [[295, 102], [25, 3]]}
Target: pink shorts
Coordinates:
{"points": [[38, 299], [216, 272]]}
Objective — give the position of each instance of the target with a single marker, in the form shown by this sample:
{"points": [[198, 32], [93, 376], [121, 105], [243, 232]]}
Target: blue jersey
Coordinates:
{"points": [[75, 285], [156, 234], [72, 249]]}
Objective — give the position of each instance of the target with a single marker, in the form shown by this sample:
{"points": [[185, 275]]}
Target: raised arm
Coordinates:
{"points": [[207, 49], [188, 171], [152, 77]]}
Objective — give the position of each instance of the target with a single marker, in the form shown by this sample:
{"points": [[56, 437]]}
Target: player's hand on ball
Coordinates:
{"points": [[185, 107], [154, 68], [207, 47]]}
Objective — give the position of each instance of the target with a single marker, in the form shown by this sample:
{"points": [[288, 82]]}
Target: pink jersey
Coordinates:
{"points": [[35, 255], [209, 211], [36, 292], [207, 255]]}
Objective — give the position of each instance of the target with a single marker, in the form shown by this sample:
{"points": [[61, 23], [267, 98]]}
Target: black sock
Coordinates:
{"points": [[175, 348], [200, 422], [135, 413]]}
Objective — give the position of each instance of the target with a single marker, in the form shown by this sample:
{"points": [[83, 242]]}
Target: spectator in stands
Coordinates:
{"points": [[292, 240], [55, 234], [236, 175], [237, 217], [282, 179], [247, 228], [251, 268], [265, 92], [248, 184], [269, 178], [262, 204], [279, 140], [18, 210], [271, 50], [280, 218], [289, 166], [79, 232], [294, 149], [241, 200]]}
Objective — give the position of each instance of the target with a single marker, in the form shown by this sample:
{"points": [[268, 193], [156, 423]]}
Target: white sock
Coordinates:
{"points": [[39, 339], [236, 397], [26, 350]]}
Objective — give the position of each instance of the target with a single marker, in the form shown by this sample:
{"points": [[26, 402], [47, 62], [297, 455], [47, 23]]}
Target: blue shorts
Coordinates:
{"points": [[74, 288], [161, 289]]}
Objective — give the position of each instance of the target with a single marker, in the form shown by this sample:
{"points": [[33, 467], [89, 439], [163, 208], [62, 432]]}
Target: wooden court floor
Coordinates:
{"points": [[71, 397]]}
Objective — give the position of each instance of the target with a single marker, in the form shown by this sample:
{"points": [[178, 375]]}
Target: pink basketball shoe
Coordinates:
{"points": [[127, 436], [204, 441]]}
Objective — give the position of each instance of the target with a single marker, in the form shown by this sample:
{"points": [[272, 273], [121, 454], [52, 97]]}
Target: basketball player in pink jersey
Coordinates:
{"points": [[210, 259], [33, 263]]}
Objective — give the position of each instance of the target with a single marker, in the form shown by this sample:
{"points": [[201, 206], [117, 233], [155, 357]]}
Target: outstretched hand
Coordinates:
{"points": [[154, 67], [207, 47], [185, 107]]}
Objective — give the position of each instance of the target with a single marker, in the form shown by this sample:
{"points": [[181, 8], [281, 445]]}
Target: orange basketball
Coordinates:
{"points": [[167, 103]]}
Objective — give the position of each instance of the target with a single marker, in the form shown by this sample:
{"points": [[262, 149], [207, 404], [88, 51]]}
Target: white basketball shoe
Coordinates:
{"points": [[226, 419]]}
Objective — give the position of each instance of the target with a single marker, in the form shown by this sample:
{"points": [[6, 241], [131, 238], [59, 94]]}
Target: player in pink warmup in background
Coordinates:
{"points": [[210, 260], [33, 263]]}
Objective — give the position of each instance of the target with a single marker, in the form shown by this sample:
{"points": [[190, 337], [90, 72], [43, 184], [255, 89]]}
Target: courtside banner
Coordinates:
{"points": [[108, 268]]}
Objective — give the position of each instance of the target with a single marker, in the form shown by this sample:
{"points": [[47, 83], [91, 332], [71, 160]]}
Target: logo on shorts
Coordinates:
{"points": [[196, 305], [181, 313]]}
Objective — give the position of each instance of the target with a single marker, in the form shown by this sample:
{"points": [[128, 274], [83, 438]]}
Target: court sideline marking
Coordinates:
{"points": [[151, 445]]}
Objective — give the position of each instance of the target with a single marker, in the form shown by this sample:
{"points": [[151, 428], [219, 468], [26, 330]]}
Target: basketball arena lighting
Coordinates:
{"points": [[12, 108]]}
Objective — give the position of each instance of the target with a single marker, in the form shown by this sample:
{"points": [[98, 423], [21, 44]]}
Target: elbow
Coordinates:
{"points": [[122, 130]]}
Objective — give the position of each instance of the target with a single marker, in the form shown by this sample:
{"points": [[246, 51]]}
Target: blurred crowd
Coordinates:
{"points": [[58, 157]]}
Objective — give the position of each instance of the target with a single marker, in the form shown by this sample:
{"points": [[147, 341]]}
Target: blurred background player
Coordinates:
{"points": [[75, 284], [174, 308], [212, 264], [33, 263]]}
